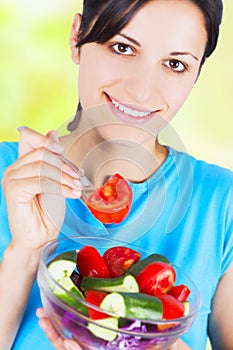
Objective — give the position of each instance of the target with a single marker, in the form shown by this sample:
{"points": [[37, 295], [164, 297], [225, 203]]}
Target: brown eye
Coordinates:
{"points": [[175, 65], [122, 49]]}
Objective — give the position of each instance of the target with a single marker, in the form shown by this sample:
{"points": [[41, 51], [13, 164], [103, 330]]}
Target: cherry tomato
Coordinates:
{"points": [[95, 298], [120, 259], [172, 308], [111, 202], [90, 263], [156, 278], [180, 292]]}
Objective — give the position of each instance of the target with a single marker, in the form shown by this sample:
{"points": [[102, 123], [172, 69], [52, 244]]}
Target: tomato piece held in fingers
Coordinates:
{"points": [[156, 278], [111, 202], [120, 259], [180, 292], [90, 263], [95, 298]]}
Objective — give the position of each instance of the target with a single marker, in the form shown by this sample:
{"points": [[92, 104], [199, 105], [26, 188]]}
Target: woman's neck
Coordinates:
{"points": [[101, 159]]}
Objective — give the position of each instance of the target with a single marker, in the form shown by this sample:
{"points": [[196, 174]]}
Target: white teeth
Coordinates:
{"points": [[129, 111]]}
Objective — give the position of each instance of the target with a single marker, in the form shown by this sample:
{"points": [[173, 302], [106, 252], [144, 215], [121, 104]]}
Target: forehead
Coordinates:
{"points": [[177, 21]]}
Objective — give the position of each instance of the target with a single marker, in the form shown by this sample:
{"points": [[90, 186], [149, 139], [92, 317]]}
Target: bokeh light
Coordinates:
{"points": [[38, 80]]}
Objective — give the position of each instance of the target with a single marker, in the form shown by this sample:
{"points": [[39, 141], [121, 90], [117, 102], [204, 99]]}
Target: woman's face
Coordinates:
{"points": [[149, 68]]}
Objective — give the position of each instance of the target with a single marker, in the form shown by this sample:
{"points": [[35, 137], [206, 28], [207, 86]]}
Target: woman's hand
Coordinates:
{"points": [[35, 187], [60, 343], [56, 340]]}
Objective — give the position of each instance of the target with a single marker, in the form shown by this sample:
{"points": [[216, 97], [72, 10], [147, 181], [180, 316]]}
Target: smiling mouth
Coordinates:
{"points": [[129, 112]]}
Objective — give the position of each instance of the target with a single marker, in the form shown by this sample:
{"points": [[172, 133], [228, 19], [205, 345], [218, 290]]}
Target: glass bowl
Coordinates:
{"points": [[69, 319]]}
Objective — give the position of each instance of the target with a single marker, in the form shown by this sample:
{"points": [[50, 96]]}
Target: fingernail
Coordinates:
{"points": [[20, 128]]}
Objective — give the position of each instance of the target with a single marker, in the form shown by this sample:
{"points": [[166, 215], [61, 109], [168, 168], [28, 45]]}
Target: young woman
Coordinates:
{"points": [[138, 61]]}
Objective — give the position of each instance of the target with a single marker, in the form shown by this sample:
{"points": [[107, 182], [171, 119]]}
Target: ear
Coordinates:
{"points": [[74, 38]]}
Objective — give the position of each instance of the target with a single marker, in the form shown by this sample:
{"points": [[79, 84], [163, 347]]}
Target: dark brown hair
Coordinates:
{"points": [[102, 19]]}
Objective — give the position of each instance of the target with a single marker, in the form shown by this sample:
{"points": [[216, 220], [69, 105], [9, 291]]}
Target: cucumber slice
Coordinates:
{"points": [[186, 307], [99, 331], [125, 283], [61, 268], [67, 298], [61, 271], [133, 305], [141, 264]]}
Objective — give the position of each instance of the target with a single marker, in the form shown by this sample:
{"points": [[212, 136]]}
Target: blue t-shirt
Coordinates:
{"points": [[184, 211]]}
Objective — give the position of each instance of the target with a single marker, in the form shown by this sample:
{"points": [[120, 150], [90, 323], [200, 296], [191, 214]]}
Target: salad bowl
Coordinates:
{"points": [[93, 311]]}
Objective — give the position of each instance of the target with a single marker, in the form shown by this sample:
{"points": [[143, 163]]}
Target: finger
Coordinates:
{"points": [[68, 343], [43, 155], [52, 334], [53, 134], [71, 345], [31, 139], [21, 188], [40, 168], [40, 312], [30, 166]]}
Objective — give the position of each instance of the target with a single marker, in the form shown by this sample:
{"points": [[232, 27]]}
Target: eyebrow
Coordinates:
{"points": [[133, 41], [177, 53]]}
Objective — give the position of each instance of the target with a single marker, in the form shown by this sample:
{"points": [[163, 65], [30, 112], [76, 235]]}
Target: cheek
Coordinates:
{"points": [[96, 75], [176, 96]]}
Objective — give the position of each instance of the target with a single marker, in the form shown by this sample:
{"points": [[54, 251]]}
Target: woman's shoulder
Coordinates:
{"points": [[205, 172], [8, 153]]}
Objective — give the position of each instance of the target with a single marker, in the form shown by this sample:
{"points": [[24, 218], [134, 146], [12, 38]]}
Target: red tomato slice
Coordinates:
{"points": [[90, 263], [156, 278], [120, 259], [95, 298], [180, 292], [111, 202], [172, 308]]}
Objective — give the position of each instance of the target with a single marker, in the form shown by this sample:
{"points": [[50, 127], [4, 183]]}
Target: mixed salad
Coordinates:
{"points": [[125, 288]]}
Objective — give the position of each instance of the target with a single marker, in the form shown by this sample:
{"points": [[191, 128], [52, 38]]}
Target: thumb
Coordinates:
{"points": [[53, 134]]}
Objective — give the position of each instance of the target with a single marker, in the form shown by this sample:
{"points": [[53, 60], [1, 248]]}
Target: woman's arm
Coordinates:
{"points": [[221, 318], [17, 273], [38, 175]]}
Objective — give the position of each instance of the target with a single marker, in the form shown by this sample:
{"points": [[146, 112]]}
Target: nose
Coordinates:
{"points": [[144, 87]]}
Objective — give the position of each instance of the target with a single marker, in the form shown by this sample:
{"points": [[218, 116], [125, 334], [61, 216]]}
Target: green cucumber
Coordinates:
{"points": [[141, 264], [98, 328], [133, 305], [61, 271], [126, 283], [186, 307], [61, 268], [67, 298]]}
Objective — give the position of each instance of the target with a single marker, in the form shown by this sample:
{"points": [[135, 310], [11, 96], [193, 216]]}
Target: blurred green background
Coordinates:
{"points": [[38, 81]]}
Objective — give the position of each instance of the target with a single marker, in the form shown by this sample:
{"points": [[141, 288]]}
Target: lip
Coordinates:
{"points": [[120, 114]]}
